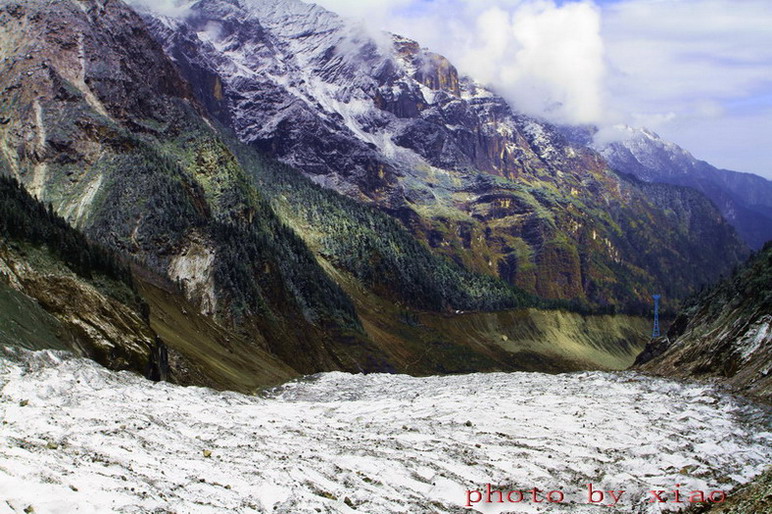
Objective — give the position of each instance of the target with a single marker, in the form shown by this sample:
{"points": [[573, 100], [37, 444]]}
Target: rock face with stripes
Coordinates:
{"points": [[98, 122]]}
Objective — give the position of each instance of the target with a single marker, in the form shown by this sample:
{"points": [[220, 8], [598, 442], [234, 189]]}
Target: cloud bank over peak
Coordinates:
{"points": [[546, 58], [697, 71]]}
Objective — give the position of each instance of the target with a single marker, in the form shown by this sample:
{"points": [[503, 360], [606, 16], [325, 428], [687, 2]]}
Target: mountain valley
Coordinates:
{"points": [[403, 195]]}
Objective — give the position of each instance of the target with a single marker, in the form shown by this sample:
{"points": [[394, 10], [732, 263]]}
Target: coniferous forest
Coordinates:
{"points": [[24, 218]]}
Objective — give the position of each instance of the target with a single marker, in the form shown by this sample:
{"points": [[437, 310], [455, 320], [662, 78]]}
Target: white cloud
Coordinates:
{"points": [[678, 66], [669, 51], [173, 8], [700, 69], [544, 58]]}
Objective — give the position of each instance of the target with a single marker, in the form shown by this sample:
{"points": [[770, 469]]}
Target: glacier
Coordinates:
{"points": [[76, 437]]}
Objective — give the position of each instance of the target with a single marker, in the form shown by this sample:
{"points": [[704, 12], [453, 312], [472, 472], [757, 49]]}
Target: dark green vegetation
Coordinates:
{"points": [[724, 332], [61, 291], [184, 183], [23, 218], [374, 247], [380, 252]]}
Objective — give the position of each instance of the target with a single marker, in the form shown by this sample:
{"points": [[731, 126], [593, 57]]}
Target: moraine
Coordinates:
{"points": [[76, 437]]}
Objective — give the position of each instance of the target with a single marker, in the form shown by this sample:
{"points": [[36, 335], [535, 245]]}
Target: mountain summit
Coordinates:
{"points": [[386, 122], [338, 200], [744, 199]]}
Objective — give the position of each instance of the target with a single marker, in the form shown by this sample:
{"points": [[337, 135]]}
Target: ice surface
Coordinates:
{"points": [[76, 437]]}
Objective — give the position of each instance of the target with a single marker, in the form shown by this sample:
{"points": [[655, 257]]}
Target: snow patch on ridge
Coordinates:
{"points": [[41, 128], [756, 336], [80, 81], [38, 179]]}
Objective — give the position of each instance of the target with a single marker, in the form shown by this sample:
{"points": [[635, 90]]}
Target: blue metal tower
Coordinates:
{"points": [[655, 331]]}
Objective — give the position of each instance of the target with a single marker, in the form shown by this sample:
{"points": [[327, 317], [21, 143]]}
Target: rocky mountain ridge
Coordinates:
{"points": [[744, 199], [233, 260], [101, 126], [386, 122], [724, 333]]}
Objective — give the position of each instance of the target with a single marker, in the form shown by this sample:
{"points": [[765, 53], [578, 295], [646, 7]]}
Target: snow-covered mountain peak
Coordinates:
{"points": [[387, 122], [647, 139], [643, 151], [286, 62]]}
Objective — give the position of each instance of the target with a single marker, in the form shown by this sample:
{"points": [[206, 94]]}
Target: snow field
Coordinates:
{"points": [[75, 437]]}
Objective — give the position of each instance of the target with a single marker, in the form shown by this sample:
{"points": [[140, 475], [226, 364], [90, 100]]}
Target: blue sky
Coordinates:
{"points": [[698, 72]]}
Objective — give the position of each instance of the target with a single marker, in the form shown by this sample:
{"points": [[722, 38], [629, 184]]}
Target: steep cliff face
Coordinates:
{"points": [[62, 291], [386, 122], [90, 323], [152, 330], [744, 199], [98, 122], [59, 290], [724, 333]]}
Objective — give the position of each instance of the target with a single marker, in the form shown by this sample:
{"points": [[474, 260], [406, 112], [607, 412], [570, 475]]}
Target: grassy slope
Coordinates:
{"points": [[527, 339], [213, 355], [422, 337], [586, 342], [202, 352], [24, 323]]}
